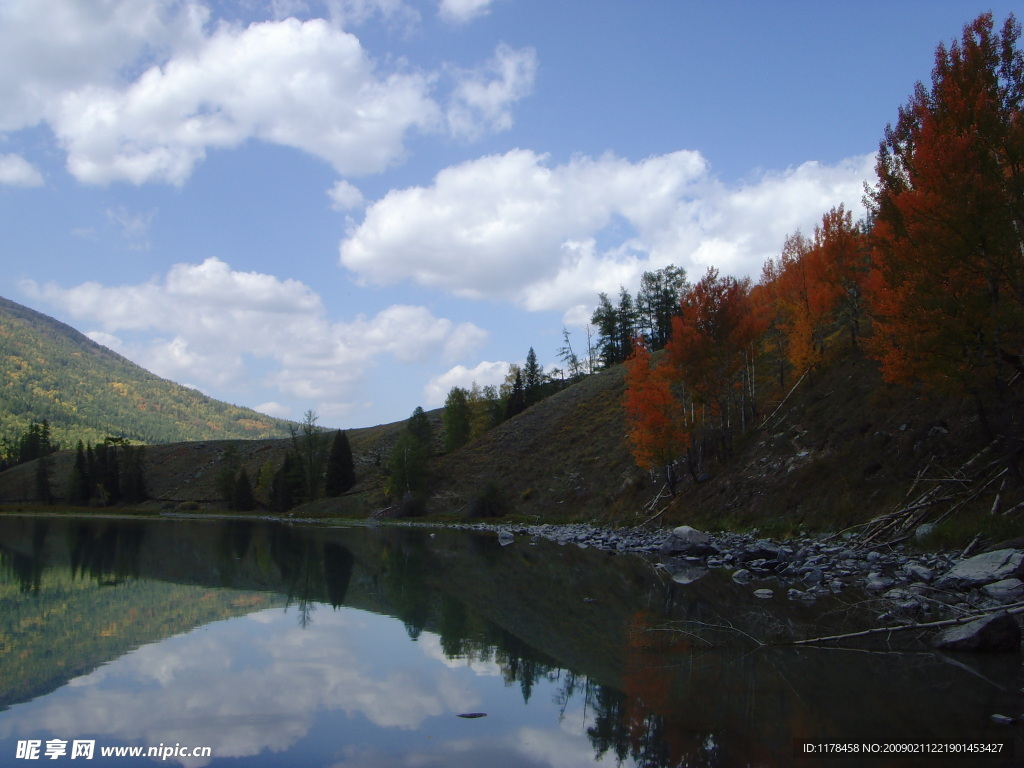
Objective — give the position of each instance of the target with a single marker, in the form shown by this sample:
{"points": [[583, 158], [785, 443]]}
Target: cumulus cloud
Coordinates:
{"points": [[484, 373], [306, 85], [51, 47], [550, 237], [209, 323], [139, 91], [462, 11], [345, 196], [16, 171], [481, 99]]}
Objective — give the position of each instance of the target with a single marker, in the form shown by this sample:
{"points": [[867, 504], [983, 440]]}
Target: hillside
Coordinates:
{"points": [[843, 449], [87, 392]]}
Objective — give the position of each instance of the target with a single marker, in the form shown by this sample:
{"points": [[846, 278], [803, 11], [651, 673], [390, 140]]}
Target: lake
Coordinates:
{"points": [[251, 643]]}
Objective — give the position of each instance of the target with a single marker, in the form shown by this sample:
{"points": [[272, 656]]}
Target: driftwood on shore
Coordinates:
{"points": [[1012, 610]]}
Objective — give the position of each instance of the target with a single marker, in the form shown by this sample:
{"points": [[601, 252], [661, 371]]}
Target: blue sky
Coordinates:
{"points": [[352, 205]]}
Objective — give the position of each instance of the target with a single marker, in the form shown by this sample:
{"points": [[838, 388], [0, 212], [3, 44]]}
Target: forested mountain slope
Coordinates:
{"points": [[50, 371]]}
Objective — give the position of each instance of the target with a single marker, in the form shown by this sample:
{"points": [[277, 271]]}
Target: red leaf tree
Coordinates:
{"points": [[947, 287], [654, 417]]}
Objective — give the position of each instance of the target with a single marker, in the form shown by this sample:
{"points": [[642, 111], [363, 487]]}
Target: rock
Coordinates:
{"points": [[685, 540], [1002, 719], [764, 594], [1005, 591], [505, 538], [923, 531], [814, 576], [919, 573], [984, 569], [741, 576], [998, 632], [876, 582]]}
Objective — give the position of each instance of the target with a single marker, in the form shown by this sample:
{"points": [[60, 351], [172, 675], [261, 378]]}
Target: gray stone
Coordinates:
{"points": [[998, 632], [919, 573], [764, 594], [984, 569], [877, 582], [1005, 591], [1002, 719], [742, 576], [505, 538], [814, 576], [685, 540], [923, 531]]}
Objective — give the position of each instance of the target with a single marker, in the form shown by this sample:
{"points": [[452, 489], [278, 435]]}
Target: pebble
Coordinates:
{"points": [[810, 565]]}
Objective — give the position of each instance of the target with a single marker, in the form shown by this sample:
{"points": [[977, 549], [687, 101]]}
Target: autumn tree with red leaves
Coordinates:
{"points": [[654, 417], [947, 287], [710, 350]]}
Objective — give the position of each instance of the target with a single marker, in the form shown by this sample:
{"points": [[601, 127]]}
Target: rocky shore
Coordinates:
{"points": [[914, 588]]}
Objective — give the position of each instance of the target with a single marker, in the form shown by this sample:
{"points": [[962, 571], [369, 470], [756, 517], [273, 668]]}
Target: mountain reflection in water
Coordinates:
{"points": [[279, 644]]}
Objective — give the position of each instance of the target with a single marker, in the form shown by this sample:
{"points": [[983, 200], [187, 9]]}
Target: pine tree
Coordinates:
{"points": [[533, 377], [242, 499], [79, 483], [341, 471]]}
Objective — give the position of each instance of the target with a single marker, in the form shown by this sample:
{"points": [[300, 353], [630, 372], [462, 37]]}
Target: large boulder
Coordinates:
{"points": [[984, 569], [688, 542], [998, 632]]}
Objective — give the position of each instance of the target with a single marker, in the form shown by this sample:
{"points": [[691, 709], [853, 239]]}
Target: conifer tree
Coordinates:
{"points": [[79, 483], [341, 471], [242, 499]]}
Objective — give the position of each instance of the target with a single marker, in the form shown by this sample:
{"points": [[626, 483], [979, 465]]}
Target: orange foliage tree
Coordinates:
{"points": [[654, 417], [946, 290], [710, 348]]}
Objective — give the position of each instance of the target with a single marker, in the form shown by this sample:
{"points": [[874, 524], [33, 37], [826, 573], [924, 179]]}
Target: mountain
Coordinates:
{"points": [[48, 370]]}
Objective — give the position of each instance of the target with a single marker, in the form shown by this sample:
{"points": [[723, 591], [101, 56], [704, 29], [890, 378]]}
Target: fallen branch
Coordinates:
{"points": [[763, 423], [1012, 609]]}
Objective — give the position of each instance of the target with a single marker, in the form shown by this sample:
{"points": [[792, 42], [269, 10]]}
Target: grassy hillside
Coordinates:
{"points": [[840, 449], [48, 370]]}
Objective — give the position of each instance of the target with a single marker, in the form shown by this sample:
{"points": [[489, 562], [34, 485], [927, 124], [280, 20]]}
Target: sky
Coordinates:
{"points": [[351, 206]]}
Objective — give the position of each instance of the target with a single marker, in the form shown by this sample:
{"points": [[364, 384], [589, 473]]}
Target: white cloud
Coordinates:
{"points": [[484, 373], [481, 99], [139, 91], [306, 85], [50, 47], [210, 323], [345, 196], [462, 11], [277, 410], [16, 171], [133, 227], [513, 227]]}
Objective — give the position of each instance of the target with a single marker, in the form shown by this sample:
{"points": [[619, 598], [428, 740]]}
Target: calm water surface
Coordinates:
{"points": [[291, 645]]}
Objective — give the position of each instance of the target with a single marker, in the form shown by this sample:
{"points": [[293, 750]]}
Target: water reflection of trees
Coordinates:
{"points": [[106, 551], [27, 570], [312, 570]]}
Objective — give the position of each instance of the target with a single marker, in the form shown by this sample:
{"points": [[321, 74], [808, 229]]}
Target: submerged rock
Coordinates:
{"points": [[505, 538], [998, 632], [689, 573]]}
